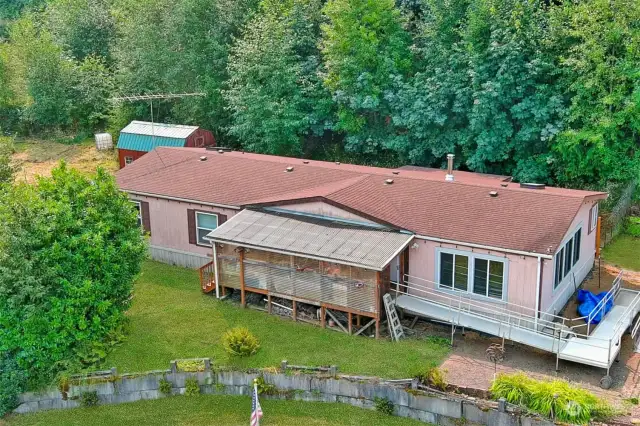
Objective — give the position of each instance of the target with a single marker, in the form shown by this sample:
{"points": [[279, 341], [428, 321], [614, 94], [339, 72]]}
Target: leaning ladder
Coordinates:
{"points": [[392, 317]]}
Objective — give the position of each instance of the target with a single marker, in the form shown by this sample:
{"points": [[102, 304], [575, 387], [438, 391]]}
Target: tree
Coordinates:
{"points": [[598, 45], [7, 168], [275, 93], [364, 47], [70, 248], [484, 89]]}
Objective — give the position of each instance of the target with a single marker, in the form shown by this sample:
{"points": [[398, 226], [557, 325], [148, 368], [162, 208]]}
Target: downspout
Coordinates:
{"points": [[538, 287], [215, 270]]}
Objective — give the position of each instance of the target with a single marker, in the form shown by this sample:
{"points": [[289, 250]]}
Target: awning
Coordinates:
{"points": [[333, 241]]}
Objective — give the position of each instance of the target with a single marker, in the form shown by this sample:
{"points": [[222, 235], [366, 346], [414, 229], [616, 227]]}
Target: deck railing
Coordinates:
{"points": [[208, 277]]}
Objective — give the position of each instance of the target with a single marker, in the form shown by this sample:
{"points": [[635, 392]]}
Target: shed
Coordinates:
{"points": [[140, 137]]}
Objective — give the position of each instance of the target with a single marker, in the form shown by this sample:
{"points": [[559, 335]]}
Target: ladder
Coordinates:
{"points": [[392, 317]]}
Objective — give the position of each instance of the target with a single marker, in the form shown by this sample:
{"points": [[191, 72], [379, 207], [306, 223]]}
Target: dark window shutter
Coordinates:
{"points": [[146, 220], [191, 224], [222, 218], [590, 217]]}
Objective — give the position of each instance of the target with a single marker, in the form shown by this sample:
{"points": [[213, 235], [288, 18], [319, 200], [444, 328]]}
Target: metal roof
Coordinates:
{"points": [[333, 241], [146, 143], [159, 129]]}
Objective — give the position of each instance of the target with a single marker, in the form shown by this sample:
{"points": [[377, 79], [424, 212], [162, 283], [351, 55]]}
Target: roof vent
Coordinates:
{"points": [[532, 185], [338, 163], [504, 184], [221, 151], [449, 177], [388, 181], [395, 172], [289, 169], [305, 162], [203, 158], [493, 193]]}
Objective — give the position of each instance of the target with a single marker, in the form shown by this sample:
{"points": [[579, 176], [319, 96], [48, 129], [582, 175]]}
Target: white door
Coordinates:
{"points": [[394, 266]]}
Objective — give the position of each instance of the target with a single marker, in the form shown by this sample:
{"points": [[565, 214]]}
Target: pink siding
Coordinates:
{"points": [[169, 223], [554, 300], [522, 270], [323, 209]]}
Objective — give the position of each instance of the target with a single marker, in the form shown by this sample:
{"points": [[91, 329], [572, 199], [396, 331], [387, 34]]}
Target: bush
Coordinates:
{"points": [[193, 366], [192, 388], [165, 386], [240, 342], [12, 382], [434, 377], [89, 399], [633, 226], [383, 405], [555, 399]]}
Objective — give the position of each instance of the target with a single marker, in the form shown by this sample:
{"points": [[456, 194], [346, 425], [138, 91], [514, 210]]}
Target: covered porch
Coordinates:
{"points": [[337, 267]]}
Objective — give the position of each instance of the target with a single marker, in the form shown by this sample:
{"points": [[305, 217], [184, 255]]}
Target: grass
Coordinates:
{"points": [[171, 318], [211, 410], [38, 157], [624, 252]]}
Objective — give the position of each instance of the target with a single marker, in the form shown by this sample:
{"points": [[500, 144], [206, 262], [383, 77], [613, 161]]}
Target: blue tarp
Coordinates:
{"points": [[587, 302]]}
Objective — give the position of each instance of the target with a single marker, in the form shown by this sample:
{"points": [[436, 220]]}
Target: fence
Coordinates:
{"points": [[289, 382], [613, 221]]}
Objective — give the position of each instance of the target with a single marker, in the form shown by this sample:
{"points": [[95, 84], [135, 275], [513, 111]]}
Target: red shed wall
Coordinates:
{"points": [[209, 140], [128, 153]]}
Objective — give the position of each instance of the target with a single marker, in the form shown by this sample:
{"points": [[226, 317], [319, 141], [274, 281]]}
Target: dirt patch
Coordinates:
{"points": [[38, 158]]}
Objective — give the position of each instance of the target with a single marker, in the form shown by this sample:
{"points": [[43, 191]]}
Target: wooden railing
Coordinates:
{"points": [[208, 277]]}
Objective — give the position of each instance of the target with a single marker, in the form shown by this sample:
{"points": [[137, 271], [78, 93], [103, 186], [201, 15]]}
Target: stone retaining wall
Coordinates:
{"points": [[431, 407]]}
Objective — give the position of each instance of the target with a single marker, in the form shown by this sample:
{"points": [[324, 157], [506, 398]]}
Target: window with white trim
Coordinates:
{"points": [[593, 223], [478, 274], [128, 160], [138, 208], [567, 257], [205, 223]]}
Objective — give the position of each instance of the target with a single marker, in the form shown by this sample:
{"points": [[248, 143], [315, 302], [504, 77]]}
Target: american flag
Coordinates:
{"points": [[256, 409]]}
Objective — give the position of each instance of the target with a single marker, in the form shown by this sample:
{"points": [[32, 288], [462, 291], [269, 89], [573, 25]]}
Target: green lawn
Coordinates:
{"points": [[211, 410], [624, 252], [171, 318]]}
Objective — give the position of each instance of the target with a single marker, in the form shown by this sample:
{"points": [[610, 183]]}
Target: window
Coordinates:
{"points": [[138, 208], [593, 220], [576, 245], [488, 278], [477, 274], [205, 223], [567, 257], [128, 160]]}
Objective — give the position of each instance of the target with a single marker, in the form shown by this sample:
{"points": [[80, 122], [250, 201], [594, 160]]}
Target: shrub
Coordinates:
{"points": [[383, 405], [192, 388], [240, 342], [265, 388], [633, 226], [165, 386], [12, 382], [434, 377], [89, 399], [193, 366], [555, 399]]}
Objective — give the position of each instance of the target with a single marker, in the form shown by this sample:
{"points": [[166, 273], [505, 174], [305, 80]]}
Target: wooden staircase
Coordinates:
{"points": [[208, 277]]}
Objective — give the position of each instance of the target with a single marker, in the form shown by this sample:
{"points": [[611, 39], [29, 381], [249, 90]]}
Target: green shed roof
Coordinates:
{"points": [[146, 143]]}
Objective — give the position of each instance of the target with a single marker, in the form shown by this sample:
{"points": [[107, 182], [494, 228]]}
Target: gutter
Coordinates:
{"points": [[184, 200], [480, 246]]}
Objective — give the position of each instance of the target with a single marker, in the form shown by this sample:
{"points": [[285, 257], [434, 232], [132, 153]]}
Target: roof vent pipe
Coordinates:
{"points": [[449, 177]]}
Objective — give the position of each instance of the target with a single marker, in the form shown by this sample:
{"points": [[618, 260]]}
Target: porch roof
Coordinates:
{"points": [[357, 245]]}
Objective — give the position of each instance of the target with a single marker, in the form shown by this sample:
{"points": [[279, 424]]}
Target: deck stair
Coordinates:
{"points": [[543, 331], [395, 326]]}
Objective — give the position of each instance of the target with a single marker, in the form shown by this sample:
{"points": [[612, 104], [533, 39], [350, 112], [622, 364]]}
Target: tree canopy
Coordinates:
{"points": [[543, 91]]}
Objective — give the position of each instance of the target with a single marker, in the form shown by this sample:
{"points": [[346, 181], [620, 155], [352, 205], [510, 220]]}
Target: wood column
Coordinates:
{"points": [[243, 300], [269, 303], [323, 316], [350, 319], [377, 296], [295, 311]]}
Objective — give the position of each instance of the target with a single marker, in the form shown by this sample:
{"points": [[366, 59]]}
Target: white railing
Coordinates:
{"points": [[505, 315], [602, 304]]}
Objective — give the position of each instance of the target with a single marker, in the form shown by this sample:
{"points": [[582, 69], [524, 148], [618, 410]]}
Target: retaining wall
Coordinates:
{"points": [[430, 407]]}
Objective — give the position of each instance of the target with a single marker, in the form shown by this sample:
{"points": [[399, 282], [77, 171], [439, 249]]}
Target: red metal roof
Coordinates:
{"points": [[421, 201]]}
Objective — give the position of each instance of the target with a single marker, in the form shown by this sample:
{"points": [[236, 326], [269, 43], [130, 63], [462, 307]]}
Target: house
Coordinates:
{"points": [[474, 250], [140, 137]]}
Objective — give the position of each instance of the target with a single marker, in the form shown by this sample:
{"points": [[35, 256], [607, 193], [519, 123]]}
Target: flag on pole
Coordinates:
{"points": [[256, 409]]}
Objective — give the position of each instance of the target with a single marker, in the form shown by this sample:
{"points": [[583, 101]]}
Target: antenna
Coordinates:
{"points": [[150, 98]]}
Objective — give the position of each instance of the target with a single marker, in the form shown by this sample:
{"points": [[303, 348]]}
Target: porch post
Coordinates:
{"points": [[243, 302], [215, 269], [377, 296]]}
